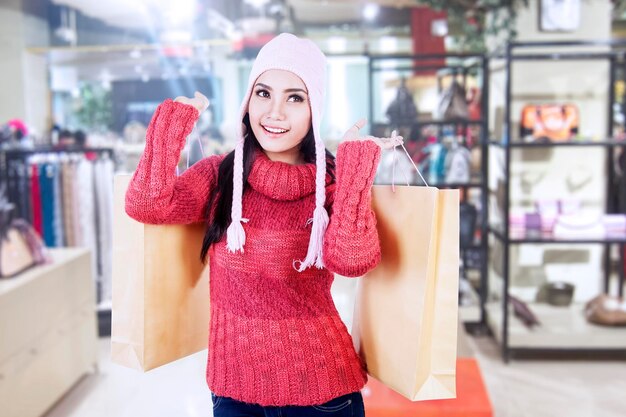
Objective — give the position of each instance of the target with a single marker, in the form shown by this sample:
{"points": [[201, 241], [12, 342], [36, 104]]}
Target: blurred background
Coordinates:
{"points": [[519, 104]]}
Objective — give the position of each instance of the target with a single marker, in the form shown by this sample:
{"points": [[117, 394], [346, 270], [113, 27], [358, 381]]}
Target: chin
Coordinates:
{"points": [[276, 146]]}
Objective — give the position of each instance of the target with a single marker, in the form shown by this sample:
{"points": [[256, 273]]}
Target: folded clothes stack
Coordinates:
{"points": [[614, 225], [517, 223], [549, 211], [579, 226]]}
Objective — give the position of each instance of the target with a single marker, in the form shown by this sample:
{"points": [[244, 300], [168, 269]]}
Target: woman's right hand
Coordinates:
{"points": [[199, 101]]}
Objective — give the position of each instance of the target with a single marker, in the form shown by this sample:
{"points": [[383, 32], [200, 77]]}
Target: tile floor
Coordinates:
{"points": [[522, 388]]}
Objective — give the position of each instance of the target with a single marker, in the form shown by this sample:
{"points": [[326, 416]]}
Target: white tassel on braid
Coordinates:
{"points": [[235, 235], [315, 253]]}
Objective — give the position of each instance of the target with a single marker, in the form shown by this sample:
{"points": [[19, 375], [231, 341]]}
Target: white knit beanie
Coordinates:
{"points": [[303, 58]]}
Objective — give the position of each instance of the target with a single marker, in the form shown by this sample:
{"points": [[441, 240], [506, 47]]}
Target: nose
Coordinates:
{"points": [[276, 110]]}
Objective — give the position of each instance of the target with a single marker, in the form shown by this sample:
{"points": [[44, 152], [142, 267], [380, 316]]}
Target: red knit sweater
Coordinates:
{"points": [[276, 337]]}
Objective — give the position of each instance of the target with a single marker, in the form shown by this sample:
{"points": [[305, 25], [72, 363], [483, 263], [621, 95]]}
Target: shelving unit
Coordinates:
{"points": [[563, 329], [444, 65]]}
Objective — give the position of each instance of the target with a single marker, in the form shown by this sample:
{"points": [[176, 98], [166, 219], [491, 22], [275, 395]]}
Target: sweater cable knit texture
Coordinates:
{"points": [[275, 337]]}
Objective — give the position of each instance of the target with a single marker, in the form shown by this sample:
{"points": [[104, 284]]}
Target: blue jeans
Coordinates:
{"points": [[350, 405]]}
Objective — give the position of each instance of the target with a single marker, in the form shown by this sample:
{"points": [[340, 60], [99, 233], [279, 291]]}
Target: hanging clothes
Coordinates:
{"points": [[68, 198], [104, 200], [87, 212], [78, 234], [35, 196], [57, 222], [17, 189], [46, 183], [68, 203]]}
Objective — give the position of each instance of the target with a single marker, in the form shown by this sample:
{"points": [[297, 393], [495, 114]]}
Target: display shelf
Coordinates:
{"points": [[57, 257], [53, 149], [564, 329], [463, 122], [549, 239], [450, 122], [132, 148], [573, 143], [48, 329], [441, 185], [561, 327], [471, 313], [470, 184]]}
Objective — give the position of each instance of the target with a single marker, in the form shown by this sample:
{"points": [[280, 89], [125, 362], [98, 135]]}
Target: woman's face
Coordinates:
{"points": [[280, 114]]}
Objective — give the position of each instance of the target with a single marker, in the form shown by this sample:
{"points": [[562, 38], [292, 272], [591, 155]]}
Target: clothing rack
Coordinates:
{"points": [[67, 195]]}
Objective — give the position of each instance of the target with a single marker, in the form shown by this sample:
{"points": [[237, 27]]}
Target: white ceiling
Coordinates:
{"points": [[136, 13], [89, 63]]}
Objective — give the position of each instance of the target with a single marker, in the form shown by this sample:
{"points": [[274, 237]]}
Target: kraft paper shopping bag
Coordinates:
{"points": [[160, 290], [406, 311]]}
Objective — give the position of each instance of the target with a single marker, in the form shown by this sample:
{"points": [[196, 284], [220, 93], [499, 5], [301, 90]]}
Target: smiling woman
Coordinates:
{"points": [[273, 194], [280, 115]]}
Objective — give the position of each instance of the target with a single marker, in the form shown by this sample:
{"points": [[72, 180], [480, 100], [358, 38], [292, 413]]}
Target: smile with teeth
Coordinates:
{"points": [[274, 129]]}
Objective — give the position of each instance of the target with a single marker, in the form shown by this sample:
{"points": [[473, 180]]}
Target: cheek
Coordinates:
{"points": [[254, 110], [302, 121]]}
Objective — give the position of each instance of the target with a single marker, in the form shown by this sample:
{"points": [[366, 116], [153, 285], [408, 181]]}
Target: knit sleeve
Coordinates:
{"points": [[351, 245], [155, 194]]}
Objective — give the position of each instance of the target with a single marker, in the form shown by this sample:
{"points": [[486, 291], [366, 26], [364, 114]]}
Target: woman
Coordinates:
{"points": [[276, 342]]}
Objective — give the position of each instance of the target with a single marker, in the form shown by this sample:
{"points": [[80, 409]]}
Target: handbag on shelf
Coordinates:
{"points": [[20, 246], [457, 164], [15, 255], [606, 310], [453, 103], [523, 312], [550, 122], [559, 293], [402, 110]]}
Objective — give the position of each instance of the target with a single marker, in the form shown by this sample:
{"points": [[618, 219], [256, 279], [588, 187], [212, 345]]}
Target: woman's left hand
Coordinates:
{"points": [[385, 143]]}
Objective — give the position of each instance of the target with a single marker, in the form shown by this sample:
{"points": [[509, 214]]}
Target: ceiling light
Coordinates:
{"points": [[370, 12], [336, 44], [180, 11], [257, 3], [439, 27]]}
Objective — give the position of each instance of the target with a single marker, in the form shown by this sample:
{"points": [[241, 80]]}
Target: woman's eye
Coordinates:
{"points": [[296, 98], [262, 93]]}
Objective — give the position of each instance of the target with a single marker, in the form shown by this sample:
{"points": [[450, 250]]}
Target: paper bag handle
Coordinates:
{"points": [[393, 178], [201, 149]]}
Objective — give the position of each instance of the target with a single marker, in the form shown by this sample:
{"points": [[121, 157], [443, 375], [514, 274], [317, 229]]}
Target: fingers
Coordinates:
{"points": [[353, 132], [205, 101], [359, 124]]}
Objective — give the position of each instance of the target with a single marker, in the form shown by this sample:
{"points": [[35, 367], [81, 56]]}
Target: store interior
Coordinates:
{"points": [[520, 105]]}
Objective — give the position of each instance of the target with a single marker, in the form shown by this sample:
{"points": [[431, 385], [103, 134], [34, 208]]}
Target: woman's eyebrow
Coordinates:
{"points": [[288, 90]]}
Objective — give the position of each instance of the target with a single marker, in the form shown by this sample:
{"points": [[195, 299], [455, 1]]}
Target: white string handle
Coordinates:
{"points": [[393, 173], [188, 146], [393, 180]]}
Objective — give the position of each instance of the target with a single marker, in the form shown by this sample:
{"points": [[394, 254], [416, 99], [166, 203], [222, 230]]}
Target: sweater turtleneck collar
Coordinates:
{"points": [[280, 180]]}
